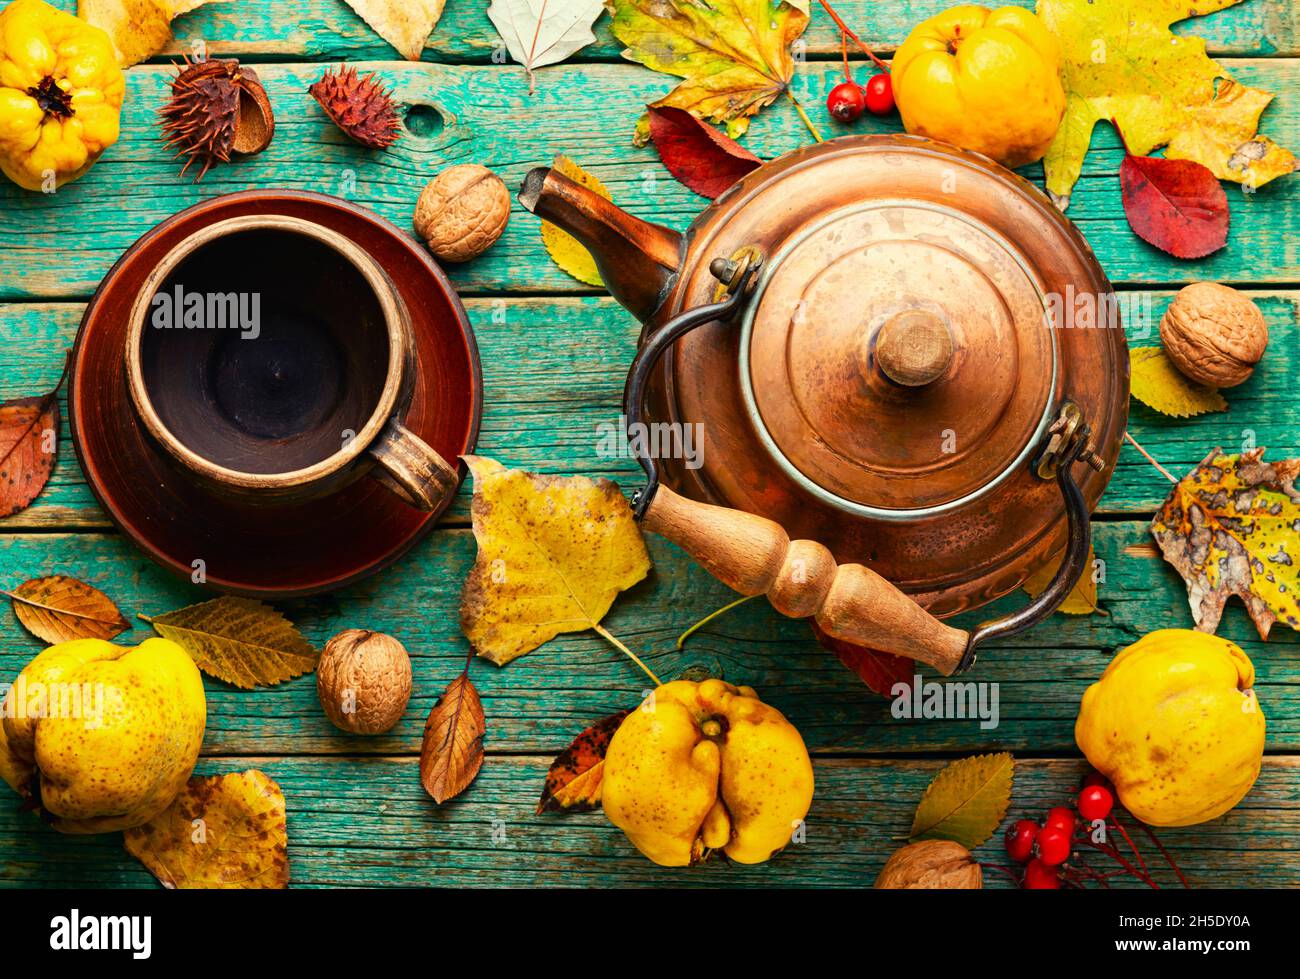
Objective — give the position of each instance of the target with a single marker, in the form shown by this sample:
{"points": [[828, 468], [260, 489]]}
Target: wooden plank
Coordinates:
{"points": [[58, 246], [367, 821], [328, 30], [554, 370], [539, 703]]}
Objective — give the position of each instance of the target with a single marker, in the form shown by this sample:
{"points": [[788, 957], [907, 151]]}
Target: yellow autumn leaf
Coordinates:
{"points": [[139, 29], [564, 249], [1082, 599], [405, 24], [733, 55], [1122, 62], [1229, 527], [1158, 384], [222, 831], [553, 554]]}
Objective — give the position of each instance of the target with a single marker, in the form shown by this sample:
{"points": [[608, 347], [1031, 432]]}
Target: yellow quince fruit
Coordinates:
{"points": [[61, 94], [706, 766], [1174, 724], [987, 81], [103, 737]]}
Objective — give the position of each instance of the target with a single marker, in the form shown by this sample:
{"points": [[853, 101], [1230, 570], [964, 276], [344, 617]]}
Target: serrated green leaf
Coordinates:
{"points": [[966, 801], [1158, 384], [239, 640]]}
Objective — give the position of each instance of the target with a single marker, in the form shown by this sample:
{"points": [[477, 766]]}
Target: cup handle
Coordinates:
{"points": [[413, 470]]}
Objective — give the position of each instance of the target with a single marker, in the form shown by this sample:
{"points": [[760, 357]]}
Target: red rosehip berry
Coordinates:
{"points": [[846, 101], [880, 95], [1020, 839], [1039, 876], [1095, 802], [1062, 817], [1052, 845]]}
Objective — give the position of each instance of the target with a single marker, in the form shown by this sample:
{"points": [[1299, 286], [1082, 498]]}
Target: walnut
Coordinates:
{"points": [[462, 211], [363, 681], [1214, 334], [931, 865]]}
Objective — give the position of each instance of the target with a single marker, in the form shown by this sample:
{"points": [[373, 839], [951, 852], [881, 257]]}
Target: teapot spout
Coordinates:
{"points": [[638, 261]]}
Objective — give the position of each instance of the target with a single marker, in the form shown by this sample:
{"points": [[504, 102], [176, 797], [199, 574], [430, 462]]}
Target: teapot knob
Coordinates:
{"points": [[914, 347]]}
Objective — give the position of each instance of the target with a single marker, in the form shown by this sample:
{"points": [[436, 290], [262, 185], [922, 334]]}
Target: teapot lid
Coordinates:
{"points": [[898, 357]]}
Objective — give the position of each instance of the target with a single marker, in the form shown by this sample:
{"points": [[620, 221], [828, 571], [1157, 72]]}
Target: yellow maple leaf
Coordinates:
{"points": [[1082, 599], [1229, 527], [734, 55], [222, 831], [564, 249], [553, 554], [1122, 62], [1158, 384]]}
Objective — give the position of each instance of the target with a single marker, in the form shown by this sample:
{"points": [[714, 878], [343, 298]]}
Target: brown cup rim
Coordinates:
{"points": [[380, 416]]}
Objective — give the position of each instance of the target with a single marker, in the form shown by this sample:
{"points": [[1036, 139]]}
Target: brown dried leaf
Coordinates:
{"points": [[452, 753], [1230, 528], [139, 29], [574, 780], [239, 640], [58, 608], [29, 429], [221, 832]]}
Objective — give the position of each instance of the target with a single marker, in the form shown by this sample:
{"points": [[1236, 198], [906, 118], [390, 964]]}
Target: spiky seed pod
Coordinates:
{"points": [[217, 108], [359, 105]]}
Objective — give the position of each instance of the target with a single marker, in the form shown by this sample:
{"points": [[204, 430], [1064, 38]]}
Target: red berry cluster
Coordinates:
{"points": [[1044, 848]]}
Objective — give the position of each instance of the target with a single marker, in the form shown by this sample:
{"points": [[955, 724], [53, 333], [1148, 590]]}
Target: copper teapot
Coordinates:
{"points": [[909, 377]]}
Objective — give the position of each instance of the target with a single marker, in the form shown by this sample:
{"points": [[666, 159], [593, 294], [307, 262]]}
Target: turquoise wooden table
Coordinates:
{"points": [[555, 356]]}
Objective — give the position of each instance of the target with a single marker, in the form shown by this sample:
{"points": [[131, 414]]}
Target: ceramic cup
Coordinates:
{"points": [[272, 359]]}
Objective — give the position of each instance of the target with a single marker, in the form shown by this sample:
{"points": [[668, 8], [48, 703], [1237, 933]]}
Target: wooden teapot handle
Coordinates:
{"points": [[755, 556]]}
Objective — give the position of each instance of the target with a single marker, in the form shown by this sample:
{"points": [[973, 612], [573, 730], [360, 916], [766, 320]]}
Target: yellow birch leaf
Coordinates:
{"points": [[221, 832], [553, 554], [966, 801], [564, 249], [1122, 62], [1230, 528], [1082, 599], [1158, 384]]}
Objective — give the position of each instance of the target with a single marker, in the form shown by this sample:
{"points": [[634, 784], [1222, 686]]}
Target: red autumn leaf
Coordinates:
{"points": [[28, 432], [572, 784], [1177, 205], [695, 153], [879, 671]]}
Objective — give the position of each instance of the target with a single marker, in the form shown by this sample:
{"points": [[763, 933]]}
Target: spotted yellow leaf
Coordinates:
{"points": [[1158, 384], [553, 554], [1232, 527], [564, 249]]}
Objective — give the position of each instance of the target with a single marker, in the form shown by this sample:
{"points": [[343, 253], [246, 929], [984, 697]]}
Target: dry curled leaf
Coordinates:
{"points": [[29, 433], [139, 29], [1120, 61], [966, 801], [573, 783], [544, 32], [58, 608], [1232, 527], [733, 55], [222, 831], [239, 640], [553, 554], [1158, 384], [565, 250], [405, 24], [452, 752], [1082, 599]]}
